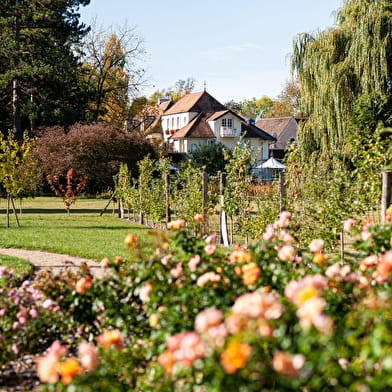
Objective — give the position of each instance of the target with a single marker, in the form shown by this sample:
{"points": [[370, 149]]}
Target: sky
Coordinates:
{"points": [[239, 49]]}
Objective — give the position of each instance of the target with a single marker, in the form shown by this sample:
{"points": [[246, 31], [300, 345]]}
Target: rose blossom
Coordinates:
{"points": [[269, 233], [176, 225], [284, 220], [177, 271], [286, 253], [348, 224], [258, 304], [145, 291], [207, 319], [88, 355], [316, 245], [198, 218], [286, 364], [82, 284], [193, 262], [207, 277], [210, 249], [110, 337], [210, 239]]}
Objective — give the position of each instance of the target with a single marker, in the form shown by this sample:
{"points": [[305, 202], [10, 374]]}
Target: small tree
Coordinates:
{"points": [[237, 203], [69, 189], [18, 167], [211, 157]]}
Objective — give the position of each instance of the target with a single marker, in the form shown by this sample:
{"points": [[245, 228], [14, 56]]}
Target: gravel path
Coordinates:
{"points": [[45, 260]]}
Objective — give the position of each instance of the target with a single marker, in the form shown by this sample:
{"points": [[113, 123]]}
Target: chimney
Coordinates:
{"points": [[163, 99]]}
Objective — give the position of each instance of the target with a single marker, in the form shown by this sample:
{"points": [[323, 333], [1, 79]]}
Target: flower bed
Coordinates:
{"points": [[180, 313]]}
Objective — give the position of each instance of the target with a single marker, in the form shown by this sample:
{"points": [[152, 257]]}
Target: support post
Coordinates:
{"points": [[167, 198], [282, 191], [15, 213], [223, 217], [205, 202], [141, 215], [386, 192]]}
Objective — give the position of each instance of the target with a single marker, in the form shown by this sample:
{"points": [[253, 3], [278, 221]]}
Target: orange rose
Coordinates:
{"points": [[68, 370], [250, 273], [235, 356], [110, 338], [198, 218], [82, 284], [130, 239]]}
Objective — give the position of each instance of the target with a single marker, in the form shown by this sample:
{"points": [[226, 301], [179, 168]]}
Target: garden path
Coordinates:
{"points": [[55, 261]]}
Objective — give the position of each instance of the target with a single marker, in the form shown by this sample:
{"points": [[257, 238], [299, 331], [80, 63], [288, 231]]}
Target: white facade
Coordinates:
{"points": [[216, 123], [174, 122]]}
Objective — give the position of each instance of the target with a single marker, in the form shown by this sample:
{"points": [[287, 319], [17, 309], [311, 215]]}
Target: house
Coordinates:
{"points": [[284, 129], [198, 119]]}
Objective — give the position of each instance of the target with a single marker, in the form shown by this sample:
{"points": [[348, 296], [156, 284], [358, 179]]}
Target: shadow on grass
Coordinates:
{"points": [[42, 211]]}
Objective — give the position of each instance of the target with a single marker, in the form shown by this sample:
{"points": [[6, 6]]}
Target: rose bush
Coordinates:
{"points": [[181, 313]]}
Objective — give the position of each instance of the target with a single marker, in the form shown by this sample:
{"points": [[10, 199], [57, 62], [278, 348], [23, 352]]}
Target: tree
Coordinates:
{"points": [[94, 151], [211, 157], [39, 73], [287, 102], [181, 87], [19, 171], [68, 188], [343, 70], [110, 62], [252, 108]]}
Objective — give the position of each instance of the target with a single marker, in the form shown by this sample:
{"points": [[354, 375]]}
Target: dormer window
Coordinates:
{"points": [[227, 122]]}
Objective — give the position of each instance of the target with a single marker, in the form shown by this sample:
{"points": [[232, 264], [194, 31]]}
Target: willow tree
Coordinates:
{"points": [[345, 78]]}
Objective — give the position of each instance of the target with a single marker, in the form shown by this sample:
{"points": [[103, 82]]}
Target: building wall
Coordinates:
{"points": [[216, 125], [173, 122]]}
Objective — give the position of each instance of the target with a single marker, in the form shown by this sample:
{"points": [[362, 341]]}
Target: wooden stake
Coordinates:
{"points": [[205, 202], [167, 198], [386, 193]]}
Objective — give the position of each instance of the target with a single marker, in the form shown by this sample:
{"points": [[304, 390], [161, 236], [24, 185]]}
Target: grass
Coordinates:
{"points": [[46, 226], [21, 267]]}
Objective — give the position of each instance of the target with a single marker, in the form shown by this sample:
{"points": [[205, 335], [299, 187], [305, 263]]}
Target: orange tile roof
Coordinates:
{"points": [[197, 128], [196, 102], [273, 125]]}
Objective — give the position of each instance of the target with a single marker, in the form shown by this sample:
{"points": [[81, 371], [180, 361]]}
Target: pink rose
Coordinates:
{"points": [[286, 253], [145, 291]]}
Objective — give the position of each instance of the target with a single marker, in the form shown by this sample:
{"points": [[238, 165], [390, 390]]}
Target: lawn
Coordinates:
{"points": [[44, 225]]}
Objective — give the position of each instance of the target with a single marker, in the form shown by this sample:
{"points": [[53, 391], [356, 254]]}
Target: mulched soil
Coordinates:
{"points": [[19, 375]]}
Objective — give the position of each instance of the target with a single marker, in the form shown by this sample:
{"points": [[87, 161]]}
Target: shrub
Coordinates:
{"points": [[180, 313], [94, 151]]}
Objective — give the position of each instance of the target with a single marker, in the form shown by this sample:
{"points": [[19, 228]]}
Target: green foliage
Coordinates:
{"points": [[179, 313], [210, 157], [19, 167], [237, 180], [340, 68], [37, 51], [186, 194]]}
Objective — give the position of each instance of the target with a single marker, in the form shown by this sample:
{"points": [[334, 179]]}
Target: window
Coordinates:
{"points": [[178, 122], [227, 122]]}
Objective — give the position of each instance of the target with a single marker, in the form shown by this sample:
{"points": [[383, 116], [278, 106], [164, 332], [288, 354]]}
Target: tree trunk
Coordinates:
{"points": [[17, 126]]}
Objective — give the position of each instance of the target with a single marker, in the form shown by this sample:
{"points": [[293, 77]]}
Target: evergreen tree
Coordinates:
{"points": [[40, 80]]}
